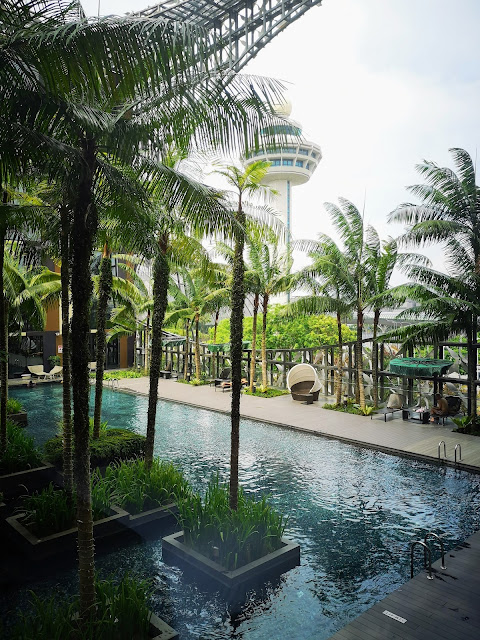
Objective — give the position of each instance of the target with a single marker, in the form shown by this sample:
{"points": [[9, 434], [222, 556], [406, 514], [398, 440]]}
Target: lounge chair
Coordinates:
{"points": [[454, 409], [395, 402], [92, 366], [56, 372], [303, 383], [37, 370], [225, 376]]}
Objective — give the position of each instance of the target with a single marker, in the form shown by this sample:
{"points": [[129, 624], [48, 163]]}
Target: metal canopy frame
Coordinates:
{"points": [[238, 29]]}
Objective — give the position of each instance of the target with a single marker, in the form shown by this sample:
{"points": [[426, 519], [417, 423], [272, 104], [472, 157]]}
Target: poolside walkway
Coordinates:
{"points": [[394, 436]]}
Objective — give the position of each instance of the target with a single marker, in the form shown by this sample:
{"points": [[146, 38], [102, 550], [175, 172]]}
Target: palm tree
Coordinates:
{"points": [[449, 213], [246, 181]]}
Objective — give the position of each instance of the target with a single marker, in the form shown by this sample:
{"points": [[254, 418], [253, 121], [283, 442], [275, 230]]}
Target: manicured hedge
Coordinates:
{"points": [[112, 445]]}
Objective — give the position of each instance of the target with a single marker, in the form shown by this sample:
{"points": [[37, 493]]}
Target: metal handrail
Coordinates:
{"points": [[444, 449], [442, 548], [426, 550], [459, 447]]}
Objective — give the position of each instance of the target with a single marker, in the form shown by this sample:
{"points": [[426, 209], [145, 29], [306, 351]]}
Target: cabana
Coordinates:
{"points": [[303, 383]]}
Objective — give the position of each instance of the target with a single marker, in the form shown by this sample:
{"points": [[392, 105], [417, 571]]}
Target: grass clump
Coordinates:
{"points": [[231, 538], [52, 509], [267, 393], [112, 445], [14, 406], [21, 453], [119, 374], [122, 614], [138, 489]]}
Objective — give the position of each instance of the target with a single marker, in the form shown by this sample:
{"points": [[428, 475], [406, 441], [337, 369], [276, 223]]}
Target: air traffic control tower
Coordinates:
{"points": [[293, 163]]}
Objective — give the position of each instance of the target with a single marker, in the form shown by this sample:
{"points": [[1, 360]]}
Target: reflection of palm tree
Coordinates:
{"points": [[449, 214]]}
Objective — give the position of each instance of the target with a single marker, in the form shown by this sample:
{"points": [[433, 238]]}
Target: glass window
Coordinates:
{"points": [[299, 163], [288, 163], [289, 150], [303, 152], [276, 162], [314, 155], [308, 166]]}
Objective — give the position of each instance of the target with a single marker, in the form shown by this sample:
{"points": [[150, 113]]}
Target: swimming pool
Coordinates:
{"points": [[354, 512]]}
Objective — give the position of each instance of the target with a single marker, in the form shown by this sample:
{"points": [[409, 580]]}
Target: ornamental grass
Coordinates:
{"points": [[21, 453]]}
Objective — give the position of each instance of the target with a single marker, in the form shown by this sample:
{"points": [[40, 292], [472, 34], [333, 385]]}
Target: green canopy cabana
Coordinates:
{"points": [[171, 339], [419, 367], [215, 348]]}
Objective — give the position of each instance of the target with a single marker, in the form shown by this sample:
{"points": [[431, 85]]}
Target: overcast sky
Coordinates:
{"points": [[380, 85]]}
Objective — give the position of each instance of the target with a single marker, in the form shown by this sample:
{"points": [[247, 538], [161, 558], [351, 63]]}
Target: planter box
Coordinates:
{"points": [[159, 516], [21, 482], [64, 541], [19, 418], [174, 551], [160, 630]]}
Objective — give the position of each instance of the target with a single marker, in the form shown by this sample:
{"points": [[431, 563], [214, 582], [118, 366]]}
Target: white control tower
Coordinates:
{"points": [[292, 163]]}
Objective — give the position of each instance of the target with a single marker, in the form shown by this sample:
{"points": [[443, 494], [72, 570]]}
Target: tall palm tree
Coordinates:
{"points": [[246, 182], [449, 214]]}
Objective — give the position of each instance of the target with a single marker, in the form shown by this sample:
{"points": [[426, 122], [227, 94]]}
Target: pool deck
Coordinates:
{"points": [[393, 436]]}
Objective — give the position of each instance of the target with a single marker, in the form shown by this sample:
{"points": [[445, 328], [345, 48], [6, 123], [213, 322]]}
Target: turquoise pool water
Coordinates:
{"points": [[354, 512]]}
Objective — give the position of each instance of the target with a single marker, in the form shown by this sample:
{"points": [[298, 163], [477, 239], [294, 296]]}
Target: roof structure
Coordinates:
{"points": [[239, 29]]}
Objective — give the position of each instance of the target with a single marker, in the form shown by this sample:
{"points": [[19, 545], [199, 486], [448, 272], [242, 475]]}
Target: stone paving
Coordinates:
{"points": [[395, 435]]}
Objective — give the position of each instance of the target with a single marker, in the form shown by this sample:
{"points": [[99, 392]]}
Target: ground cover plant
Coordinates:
{"points": [[230, 537], [351, 407], [53, 509], [112, 445], [122, 613], [119, 374], [267, 393], [136, 488], [21, 453]]}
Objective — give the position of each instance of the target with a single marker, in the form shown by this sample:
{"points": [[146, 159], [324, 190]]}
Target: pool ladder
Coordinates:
{"points": [[458, 447], [427, 552]]}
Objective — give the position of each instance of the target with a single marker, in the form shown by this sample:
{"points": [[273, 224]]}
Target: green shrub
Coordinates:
{"points": [[122, 614], [112, 445], [52, 510], [231, 538], [267, 393], [350, 408], [137, 489], [21, 453], [14, 406]]}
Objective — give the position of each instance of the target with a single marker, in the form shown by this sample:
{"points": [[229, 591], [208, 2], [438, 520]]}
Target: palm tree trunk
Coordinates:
{"points": [[3, 348], [214, 358], [187, 347], [376, 318], [198, 370], [264, 341], [161, 273], [105, 291], [339, 369], [66, 388], [236, 347], [359, 356], [253, 361], [85, 222], [472, 372]]}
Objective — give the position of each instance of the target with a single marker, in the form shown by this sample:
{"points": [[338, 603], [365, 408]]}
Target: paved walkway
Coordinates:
{"points": [[395, 435]]}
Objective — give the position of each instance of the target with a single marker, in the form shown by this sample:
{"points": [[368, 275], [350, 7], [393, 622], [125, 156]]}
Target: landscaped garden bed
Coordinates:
{"points": [[233, 548], [122, 614], [16, 413], [149, 496], [21, 466]]}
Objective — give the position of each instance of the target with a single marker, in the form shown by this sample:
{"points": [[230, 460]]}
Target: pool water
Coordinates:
{"points": [[353, 511]]}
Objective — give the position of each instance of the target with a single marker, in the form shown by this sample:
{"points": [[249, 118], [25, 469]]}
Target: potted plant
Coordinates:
{"points": [[233, 548]]}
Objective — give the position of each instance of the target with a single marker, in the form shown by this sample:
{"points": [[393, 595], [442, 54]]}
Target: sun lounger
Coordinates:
{"points": [[37, 370]]}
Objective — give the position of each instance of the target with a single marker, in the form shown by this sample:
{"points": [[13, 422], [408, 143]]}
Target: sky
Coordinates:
{"points": [[380, 85]]}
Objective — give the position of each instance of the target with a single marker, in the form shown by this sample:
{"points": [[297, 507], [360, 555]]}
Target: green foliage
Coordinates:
{"points": [[350, 408], [467, 424], [196, 382], [287, 333], [119, 374], [368, 410], [54, 361], [21, 453], [267, 393], [52, 509], [231, 538], [122, 614], [136, 489], [112, 445], [14, 406]]}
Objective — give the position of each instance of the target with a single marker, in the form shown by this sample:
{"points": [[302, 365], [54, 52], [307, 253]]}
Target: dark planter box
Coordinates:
{"points": [[160, 630], [21, 482], [157, 517], [174, 551], [19, 418], [64, 541]]}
